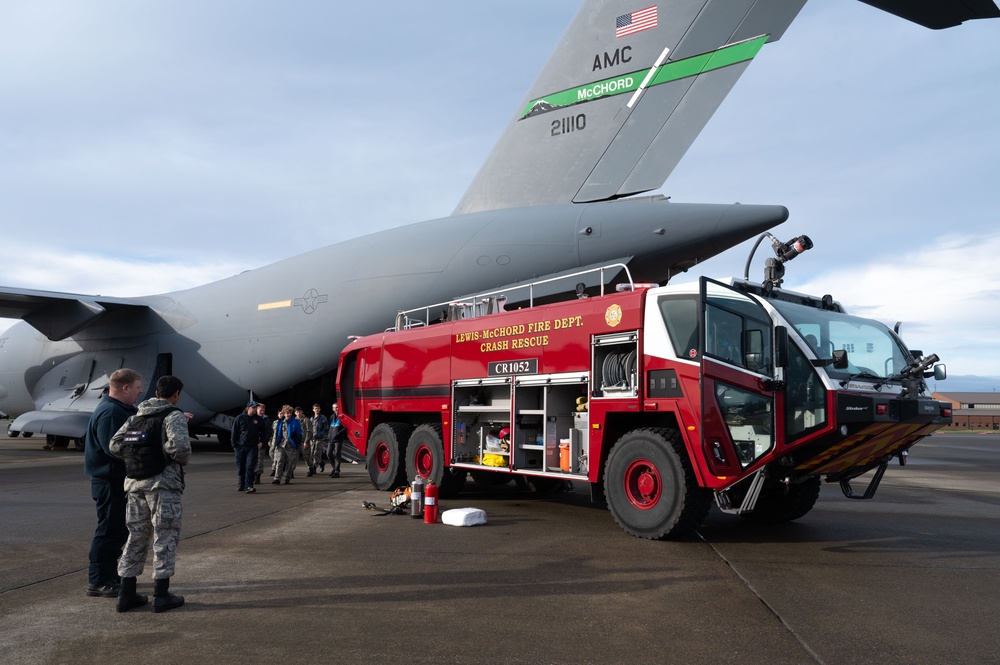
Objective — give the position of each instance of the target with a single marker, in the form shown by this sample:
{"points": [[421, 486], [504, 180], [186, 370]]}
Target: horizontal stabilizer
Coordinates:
{"points": [[938, 14], [58, 315], [58, 423]]}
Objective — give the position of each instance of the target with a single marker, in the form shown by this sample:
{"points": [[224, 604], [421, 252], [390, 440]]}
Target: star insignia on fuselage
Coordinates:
{"points": [[310, 301]]}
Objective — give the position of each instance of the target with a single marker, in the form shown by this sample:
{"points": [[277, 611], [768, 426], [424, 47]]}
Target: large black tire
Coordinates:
{"points": [[27, 435], [425, 459], [650, 485], [386, 448], [776, 505], [56, 441], [11, 432]]}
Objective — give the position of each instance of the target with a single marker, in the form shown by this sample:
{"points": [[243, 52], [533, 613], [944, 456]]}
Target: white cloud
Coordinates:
{"points": [[946, 294]]}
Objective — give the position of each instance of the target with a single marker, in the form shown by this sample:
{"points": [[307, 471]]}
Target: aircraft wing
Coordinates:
{"points": [[59, 315], [623, 96], [938, 14]]}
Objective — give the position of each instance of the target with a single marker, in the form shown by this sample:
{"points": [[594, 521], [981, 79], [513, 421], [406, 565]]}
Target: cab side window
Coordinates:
{"points": [[680, 314], [738, 332]]}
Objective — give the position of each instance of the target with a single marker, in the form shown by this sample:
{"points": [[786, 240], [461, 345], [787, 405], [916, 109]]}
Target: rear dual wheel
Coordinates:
{"points": [[650, 485], [425, 460]]}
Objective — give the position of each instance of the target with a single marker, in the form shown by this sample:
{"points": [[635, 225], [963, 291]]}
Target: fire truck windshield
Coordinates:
{"points": [[873, 351]]}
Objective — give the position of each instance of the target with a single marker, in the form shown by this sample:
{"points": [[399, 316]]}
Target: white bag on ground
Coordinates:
{"points": [[463, 517]]}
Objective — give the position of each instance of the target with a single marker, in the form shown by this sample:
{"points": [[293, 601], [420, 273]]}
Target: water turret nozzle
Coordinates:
{"points": [[774, 268]]}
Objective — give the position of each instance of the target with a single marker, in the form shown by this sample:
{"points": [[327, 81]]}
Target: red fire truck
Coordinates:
{"points": [[663, 398]]}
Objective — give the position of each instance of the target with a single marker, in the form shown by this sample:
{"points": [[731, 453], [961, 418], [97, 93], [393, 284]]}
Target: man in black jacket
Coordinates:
{"points": [[247, 432], [107, 481]]}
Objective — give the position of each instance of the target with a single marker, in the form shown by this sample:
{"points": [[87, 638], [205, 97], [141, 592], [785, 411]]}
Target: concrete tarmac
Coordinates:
{"points": [[302, 573]]}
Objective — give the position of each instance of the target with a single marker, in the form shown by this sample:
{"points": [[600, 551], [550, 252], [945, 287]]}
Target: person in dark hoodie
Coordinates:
{"points": [[246, 434], [107, 478], [155, 447]]}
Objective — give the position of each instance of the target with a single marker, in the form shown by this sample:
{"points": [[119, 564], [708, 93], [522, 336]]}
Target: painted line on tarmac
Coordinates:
{"points": [[791, 631]]}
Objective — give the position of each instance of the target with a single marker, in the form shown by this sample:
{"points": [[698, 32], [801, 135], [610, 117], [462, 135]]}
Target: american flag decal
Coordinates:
{"points": [[637, 21]]}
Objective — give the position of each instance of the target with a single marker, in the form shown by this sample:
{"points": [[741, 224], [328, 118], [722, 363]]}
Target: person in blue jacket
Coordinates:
{"points": [[287, 443]]}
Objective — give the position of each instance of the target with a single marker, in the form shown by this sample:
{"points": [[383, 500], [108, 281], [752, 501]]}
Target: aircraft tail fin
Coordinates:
{"points": [[625, 93]]}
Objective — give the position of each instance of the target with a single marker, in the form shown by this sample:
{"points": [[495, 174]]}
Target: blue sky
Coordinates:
{"points": [[147, 147]]}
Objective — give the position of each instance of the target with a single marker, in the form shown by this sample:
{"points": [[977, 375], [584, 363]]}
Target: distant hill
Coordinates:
{"points": [[965, 384]]}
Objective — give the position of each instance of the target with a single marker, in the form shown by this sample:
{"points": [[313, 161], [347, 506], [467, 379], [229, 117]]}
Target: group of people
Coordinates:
{"points": [[290, 437], [135, 457]]}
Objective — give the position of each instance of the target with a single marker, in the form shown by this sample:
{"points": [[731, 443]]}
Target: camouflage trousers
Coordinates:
{"points": [[151, 516], [313, 453], [285, 458]]}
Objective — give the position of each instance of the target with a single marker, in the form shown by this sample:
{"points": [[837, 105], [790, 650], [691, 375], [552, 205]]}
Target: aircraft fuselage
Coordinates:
{"points": [[268, 329]]}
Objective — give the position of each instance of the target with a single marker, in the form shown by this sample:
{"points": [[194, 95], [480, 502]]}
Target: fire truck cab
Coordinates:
{"points": [[662, 398]]}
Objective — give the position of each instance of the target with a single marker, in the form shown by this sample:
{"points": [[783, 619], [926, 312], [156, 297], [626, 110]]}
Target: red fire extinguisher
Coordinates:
{"points": [[430, 503]]}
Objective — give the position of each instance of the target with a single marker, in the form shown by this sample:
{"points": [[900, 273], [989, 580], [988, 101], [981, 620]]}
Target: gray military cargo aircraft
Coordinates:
{"points": [[620, 100]]}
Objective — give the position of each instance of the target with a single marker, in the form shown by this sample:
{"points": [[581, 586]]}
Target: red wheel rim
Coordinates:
{"points": [[382, 457], [643, 485], [423, 460]]}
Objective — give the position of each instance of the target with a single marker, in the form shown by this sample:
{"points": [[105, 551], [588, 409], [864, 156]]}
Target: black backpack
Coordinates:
{"points": [[142, 450]]}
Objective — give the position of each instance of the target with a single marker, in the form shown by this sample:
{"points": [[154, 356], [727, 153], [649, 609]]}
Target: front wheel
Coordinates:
{"points": [[783, 504], [11, 432], [386, 447], [650, 485]]}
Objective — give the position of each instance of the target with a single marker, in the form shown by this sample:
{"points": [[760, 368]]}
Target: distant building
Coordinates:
{"points": [[973, 410]]}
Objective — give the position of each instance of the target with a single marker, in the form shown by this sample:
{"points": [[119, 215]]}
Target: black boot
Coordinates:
{"points": [[127, 597], [163, 600], [312, 472]]}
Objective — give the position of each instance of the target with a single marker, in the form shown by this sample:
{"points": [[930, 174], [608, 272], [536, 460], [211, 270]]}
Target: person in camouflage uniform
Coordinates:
{"points": [[273, 441], [304, 449], [312, 442], [154, 510], [265, 435], [321, 434]]}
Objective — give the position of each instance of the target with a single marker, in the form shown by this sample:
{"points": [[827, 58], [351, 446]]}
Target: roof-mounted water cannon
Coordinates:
{"points": [[774, 268]]}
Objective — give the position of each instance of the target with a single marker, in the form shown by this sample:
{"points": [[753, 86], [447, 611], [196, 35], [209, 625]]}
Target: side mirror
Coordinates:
{"points": [[940, 372], [840, 359]]}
